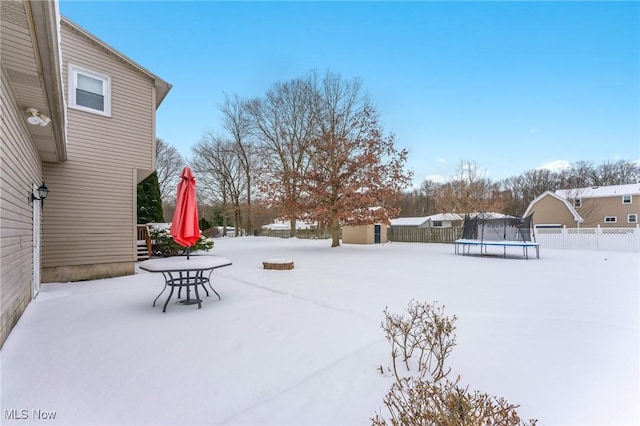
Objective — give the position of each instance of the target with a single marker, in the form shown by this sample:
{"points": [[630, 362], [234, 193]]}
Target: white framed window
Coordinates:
{"points": [[632, 218], [627, 199], [610, 219], [437, 223], [89, 91], [577, 202]]}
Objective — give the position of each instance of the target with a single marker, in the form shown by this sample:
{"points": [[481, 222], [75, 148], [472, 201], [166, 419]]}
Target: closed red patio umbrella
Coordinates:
{"points": [[185, 228]]}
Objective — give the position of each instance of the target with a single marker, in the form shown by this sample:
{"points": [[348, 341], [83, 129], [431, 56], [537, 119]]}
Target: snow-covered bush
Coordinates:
{"points": [[424, 339], [414, 401], [426, 333], [164, 244]]}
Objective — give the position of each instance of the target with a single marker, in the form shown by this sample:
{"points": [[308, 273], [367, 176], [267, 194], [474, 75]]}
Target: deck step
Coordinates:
{"points": [[142, 252]]}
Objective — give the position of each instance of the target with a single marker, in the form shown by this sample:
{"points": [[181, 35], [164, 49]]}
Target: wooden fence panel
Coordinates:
{"points": [[424, 235]]}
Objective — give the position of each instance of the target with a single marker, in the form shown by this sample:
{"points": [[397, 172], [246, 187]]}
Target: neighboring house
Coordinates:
{"points": [[92, 140], [230, 231], [615, 206], [285, 224], [444, 220], [410, 222], [440, 220]]}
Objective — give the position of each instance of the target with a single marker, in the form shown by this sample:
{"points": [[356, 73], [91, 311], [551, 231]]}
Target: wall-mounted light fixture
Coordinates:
{"points": [[36, 118], [43, 191]]}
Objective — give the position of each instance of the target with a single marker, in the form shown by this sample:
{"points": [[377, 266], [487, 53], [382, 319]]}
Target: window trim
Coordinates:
{"points": [[614, 219], [72, 79], [577, 203], [629, 218], [630, 199]]}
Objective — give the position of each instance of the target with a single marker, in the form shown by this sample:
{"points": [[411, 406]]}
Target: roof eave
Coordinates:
{"points": [[569, 207], [47, 40], [162, 88]]}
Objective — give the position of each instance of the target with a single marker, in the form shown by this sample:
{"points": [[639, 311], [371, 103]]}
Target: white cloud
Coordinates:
{"points": [[555, 166], [436, 178], [441, 161]]}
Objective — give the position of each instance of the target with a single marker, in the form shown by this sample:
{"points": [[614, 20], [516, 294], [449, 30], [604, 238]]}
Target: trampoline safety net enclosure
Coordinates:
{"points": [[508, 228], [507, 231]]}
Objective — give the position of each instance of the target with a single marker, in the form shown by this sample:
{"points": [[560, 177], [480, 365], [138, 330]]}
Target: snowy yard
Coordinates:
{"points": [[559, 336]]}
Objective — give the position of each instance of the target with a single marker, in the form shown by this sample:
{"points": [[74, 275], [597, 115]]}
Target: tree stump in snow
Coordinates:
{"points": [[279, 264]]}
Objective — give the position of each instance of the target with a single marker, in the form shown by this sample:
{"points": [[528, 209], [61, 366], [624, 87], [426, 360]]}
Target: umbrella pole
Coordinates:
{"points": [[190, 301]]}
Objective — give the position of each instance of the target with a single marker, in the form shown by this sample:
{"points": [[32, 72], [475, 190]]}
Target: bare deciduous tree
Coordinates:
{"points": [[616, 173], [221, 175], [169, 165], [537, 181], [282, 127], [237, 121], [420, 201], [470, 191], [579, 175]]}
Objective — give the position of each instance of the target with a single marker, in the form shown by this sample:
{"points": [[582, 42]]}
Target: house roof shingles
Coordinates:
{"points": [[600, 191]]}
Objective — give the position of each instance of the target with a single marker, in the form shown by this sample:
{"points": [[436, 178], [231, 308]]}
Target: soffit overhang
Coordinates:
{"points": [[31, 60]]}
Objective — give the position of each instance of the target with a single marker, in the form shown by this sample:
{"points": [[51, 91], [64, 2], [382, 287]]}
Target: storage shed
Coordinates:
{"points": [[364, 234]]}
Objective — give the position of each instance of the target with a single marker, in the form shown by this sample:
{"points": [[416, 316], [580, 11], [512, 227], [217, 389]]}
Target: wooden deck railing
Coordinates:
{"points": [[144, 235]]}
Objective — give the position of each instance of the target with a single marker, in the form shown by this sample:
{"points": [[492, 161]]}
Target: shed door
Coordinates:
{"points": [[376, 233]]}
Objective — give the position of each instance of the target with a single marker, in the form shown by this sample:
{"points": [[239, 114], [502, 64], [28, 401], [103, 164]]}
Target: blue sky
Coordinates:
{"points": [[511, 86]]}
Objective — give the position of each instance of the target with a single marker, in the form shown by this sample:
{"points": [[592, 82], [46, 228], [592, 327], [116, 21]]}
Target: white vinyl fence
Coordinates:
{"points": [[623, 239]]}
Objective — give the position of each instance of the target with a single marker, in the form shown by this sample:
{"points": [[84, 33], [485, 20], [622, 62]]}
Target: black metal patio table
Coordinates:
{"points": [[180, 271]]}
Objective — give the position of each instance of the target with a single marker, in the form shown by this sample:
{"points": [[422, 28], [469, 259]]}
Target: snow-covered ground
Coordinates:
{"points": [[558, 335]]}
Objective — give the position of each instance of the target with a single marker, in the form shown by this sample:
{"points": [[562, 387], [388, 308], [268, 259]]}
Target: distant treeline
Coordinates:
{"points": [[470, 190]]}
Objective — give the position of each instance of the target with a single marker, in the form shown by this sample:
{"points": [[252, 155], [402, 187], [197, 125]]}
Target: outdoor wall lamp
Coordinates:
{"points": [[36, 118], [43, 191]]}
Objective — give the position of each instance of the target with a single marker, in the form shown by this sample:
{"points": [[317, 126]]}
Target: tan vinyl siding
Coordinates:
{"points": [[362, 234], [90, 218], [551, 211], [19, 170], [594, 210]]}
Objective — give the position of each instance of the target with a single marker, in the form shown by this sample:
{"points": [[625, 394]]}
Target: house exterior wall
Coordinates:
{"points": [[362, 234], [20, 169], [90, 222], [594, 210], [550, 210]]}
